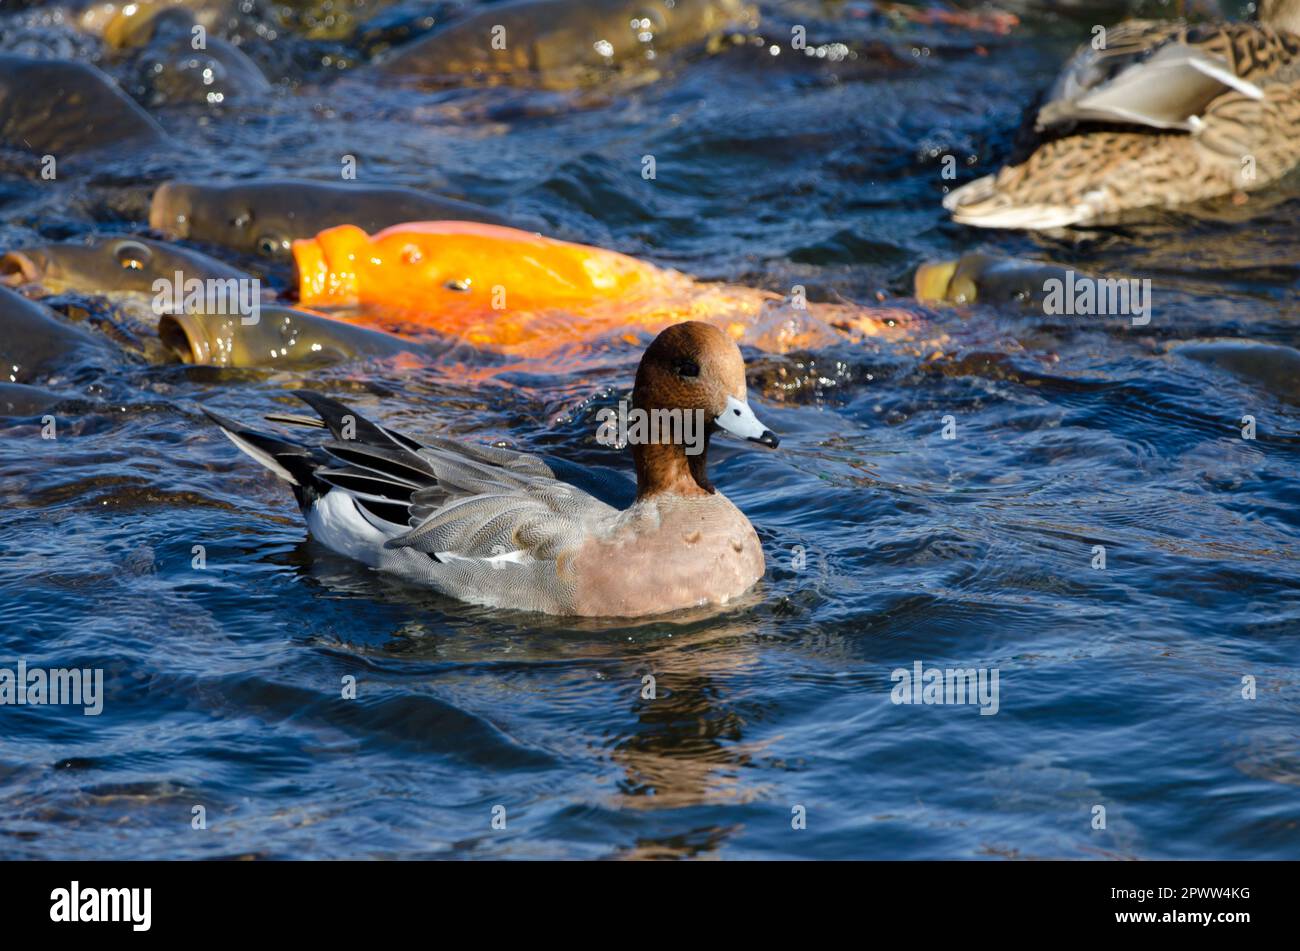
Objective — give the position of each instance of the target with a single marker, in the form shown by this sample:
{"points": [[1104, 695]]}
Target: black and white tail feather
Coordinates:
{"points": [[379, 468], [449, 513]]}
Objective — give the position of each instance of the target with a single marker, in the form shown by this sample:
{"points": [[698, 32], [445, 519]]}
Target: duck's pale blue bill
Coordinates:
{"points": [[739, 420]]}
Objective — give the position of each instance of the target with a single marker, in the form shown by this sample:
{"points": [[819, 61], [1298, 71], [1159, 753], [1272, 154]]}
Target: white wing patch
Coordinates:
{"points": [[519, 557]]}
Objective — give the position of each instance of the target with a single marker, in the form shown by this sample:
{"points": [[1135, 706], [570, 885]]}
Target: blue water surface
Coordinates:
{"points": [[887, 544]]}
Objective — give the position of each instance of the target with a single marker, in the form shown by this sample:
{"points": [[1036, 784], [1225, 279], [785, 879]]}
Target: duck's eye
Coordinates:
{"points": [[461, 285], [688, 368], [270, 245], [132, 255]]}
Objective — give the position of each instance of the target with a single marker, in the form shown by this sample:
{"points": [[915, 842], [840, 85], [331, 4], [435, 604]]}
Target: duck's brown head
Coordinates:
{"points": [[690, 368], [1280, 14]]}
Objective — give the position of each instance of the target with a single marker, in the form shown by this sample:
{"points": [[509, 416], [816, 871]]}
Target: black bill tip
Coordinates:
{"points": [[769, 439]]}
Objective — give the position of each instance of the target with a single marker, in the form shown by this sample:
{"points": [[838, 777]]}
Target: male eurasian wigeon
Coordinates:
{"points": [[496, 527]]}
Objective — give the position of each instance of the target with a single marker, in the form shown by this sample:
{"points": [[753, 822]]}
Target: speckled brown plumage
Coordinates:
{"points": [[1166, 114]]}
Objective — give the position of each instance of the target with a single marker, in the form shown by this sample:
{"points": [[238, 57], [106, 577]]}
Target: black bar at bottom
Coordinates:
{"points": [[332, 900]]}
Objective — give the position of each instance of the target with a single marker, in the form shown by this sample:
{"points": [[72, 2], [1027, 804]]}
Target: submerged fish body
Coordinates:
{"points": [[982, 278], [61, 108], [124, 24], [1270, 366], [34, 342], [169, 70], [263, 217], [21, 400], [558, 42], [526, 293], [278, 337], [111, 265]]}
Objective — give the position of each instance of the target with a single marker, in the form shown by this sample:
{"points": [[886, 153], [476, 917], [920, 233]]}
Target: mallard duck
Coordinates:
{"points": [[1165, 114]]}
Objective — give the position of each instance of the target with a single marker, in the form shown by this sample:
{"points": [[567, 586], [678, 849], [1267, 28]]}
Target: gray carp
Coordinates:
{"points": [[561, 43], [110, 265], [985, 279], [35, 342], [265, 217], [61, 108], [281, 337]]}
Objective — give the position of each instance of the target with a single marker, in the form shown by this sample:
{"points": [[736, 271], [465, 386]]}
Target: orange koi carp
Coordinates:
{"points": [[527, 294]]}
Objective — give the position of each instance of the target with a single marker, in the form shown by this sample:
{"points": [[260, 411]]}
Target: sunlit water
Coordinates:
{"points": [[886, 543]]}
